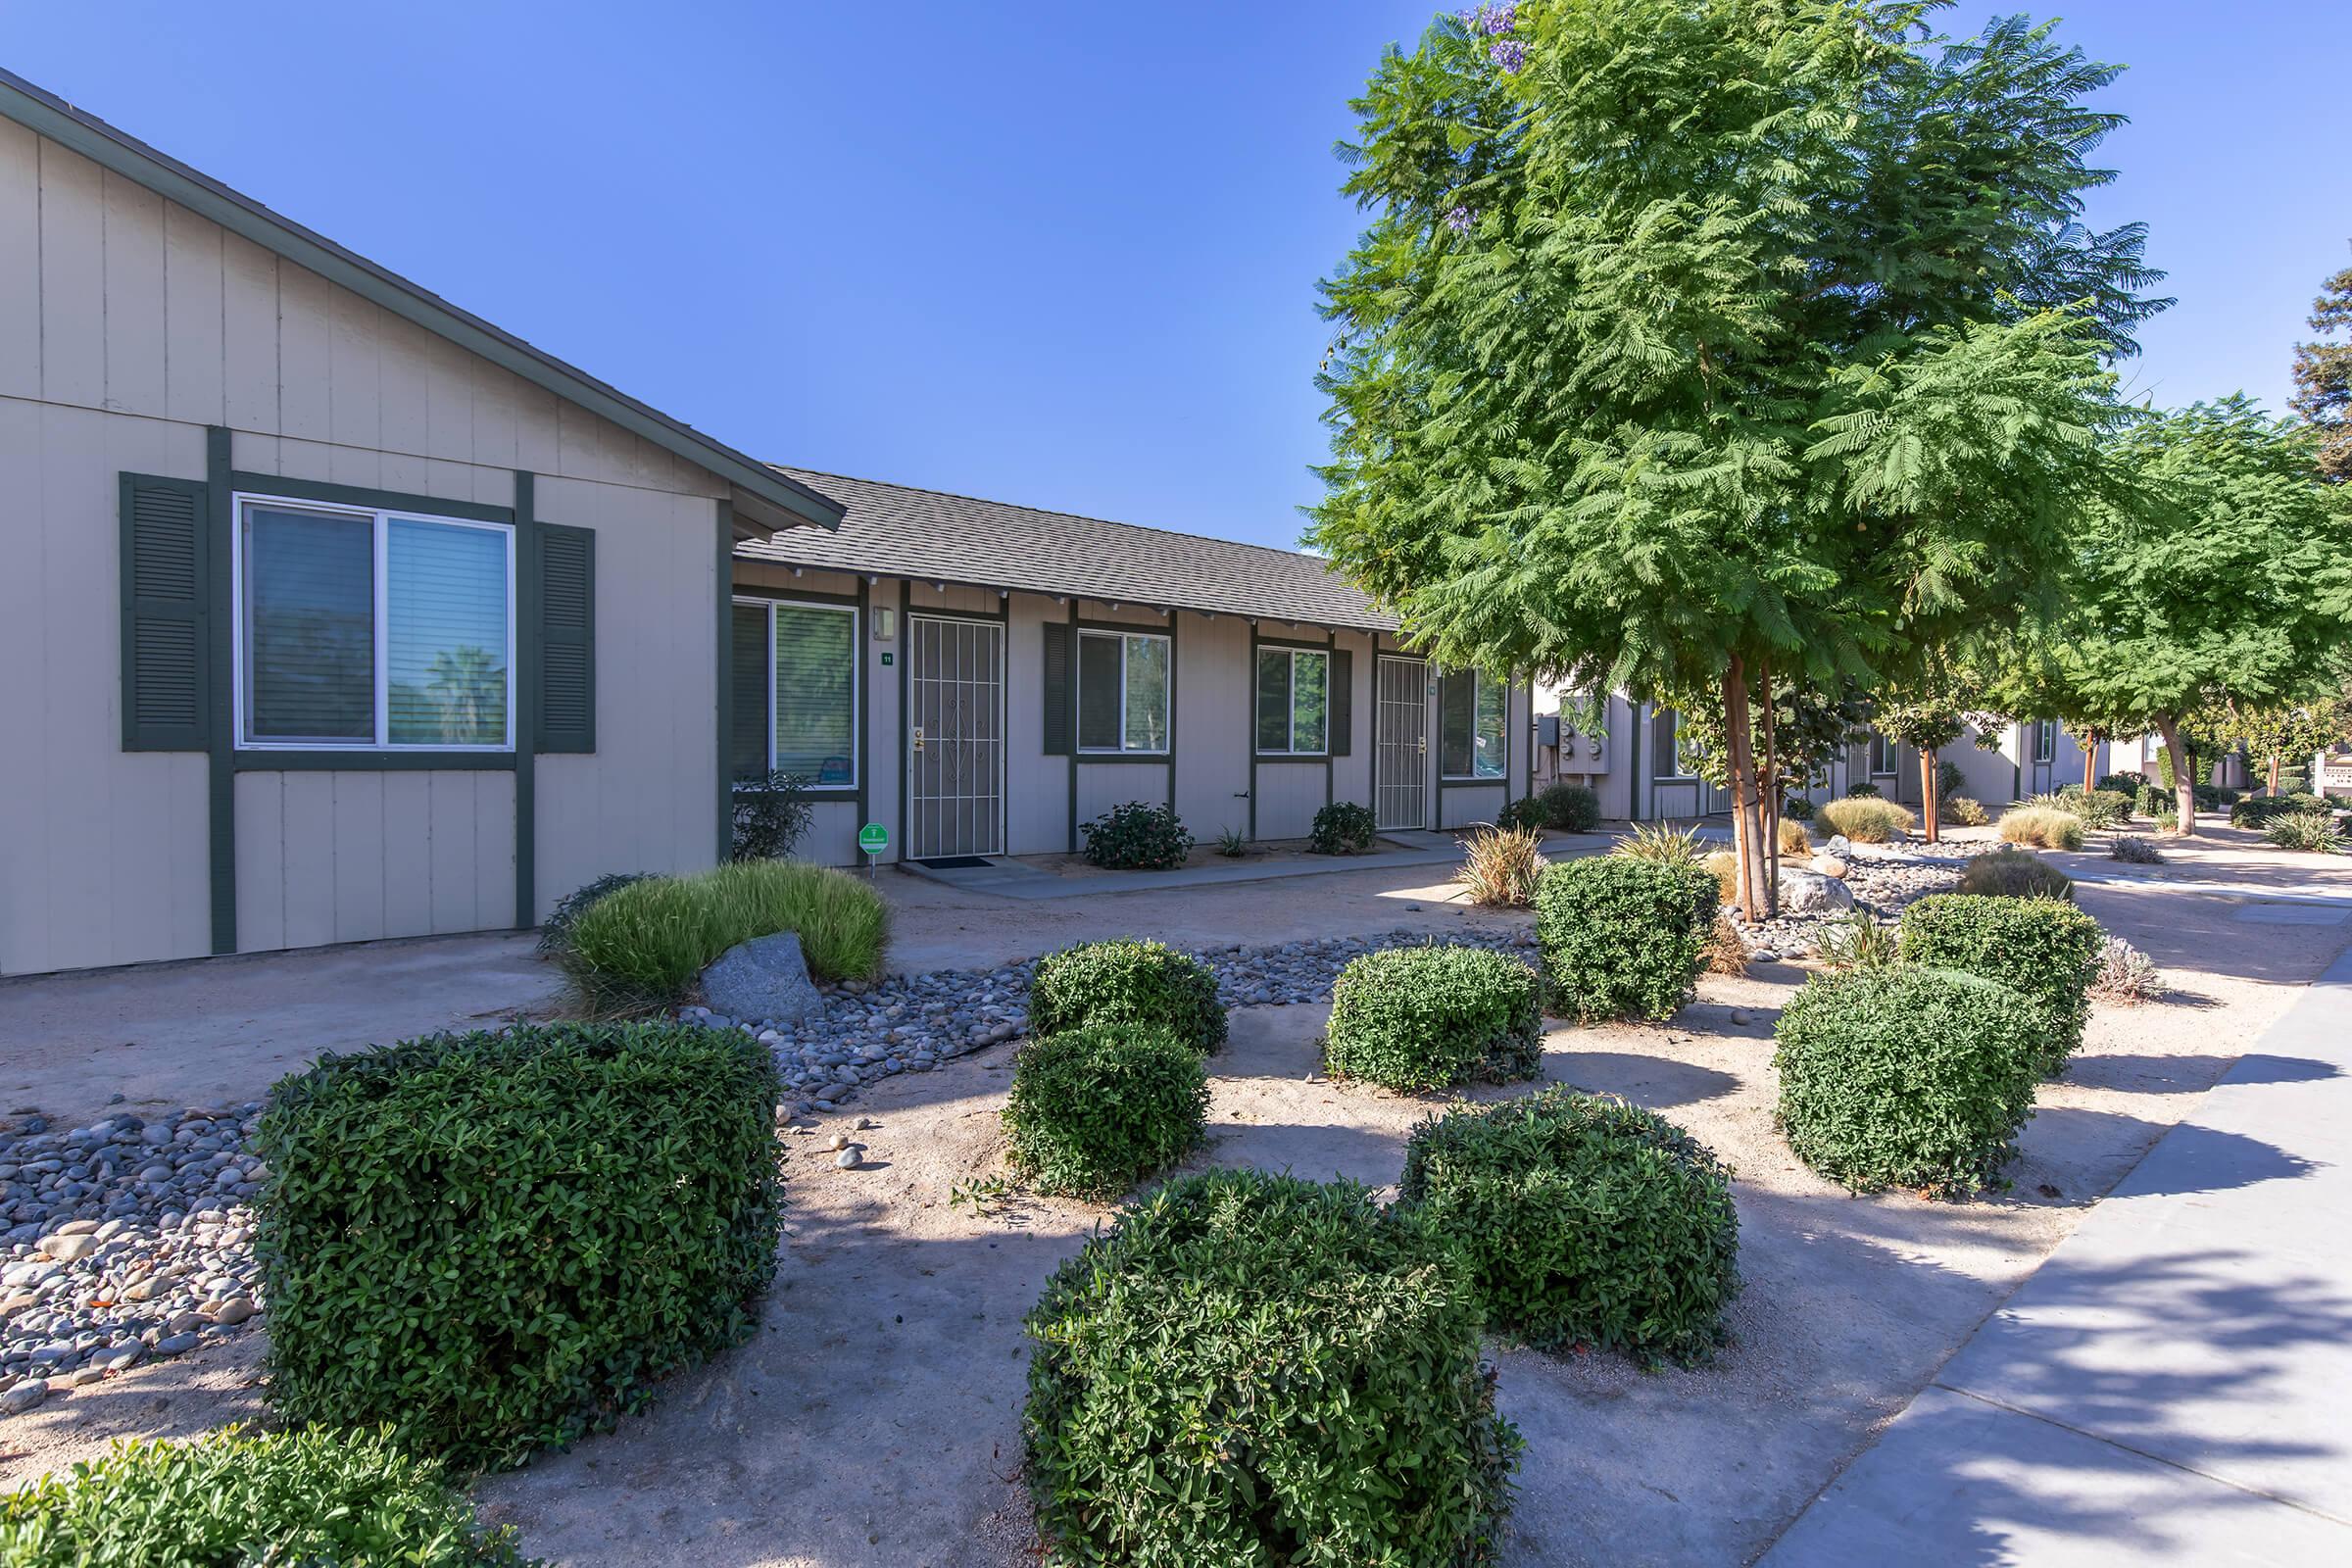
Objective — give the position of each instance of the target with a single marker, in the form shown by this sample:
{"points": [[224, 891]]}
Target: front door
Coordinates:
{"points": [[1400, 744], [954, 737]]}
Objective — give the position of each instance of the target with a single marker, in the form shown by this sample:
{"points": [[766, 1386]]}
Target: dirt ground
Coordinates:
{"points": [[876, 1417]]}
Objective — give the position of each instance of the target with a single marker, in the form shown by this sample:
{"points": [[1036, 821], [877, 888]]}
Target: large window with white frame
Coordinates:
{"points": [[1473, 718], [795, 691], [371, 629], [1293, 702], [1122, 692]]}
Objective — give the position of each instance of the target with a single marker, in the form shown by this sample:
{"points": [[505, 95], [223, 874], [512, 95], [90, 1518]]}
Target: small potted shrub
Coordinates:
{"points": [[2044, 949], [1622, 937], [1903, 1076], [1095, 1110], [1136, 837], [1128, 984], [1308, 1366], [1416, 1018], [1342, 828], [1588, 1221]]}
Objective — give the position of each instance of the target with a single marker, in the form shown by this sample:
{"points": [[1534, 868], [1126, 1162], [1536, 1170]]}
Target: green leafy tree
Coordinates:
{"points": [[1803, 733], [1718, 345], [2324, 376], [2276, 733], [2218, 572]]}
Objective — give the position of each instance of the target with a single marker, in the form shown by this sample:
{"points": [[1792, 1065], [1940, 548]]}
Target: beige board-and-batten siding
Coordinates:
{"points": [[130, 325]]}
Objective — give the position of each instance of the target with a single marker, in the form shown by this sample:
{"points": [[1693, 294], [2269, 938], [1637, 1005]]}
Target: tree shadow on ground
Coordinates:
{"points": [[2189, 1073]]}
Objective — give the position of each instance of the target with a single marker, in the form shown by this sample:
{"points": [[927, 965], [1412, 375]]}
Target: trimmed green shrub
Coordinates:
{"points": [[1524, 814], [2014, 873], [2260, 811], [1253, 1370], [770, 814], [2123, 782], [1137, 835], [1622, 937], [1903, 1076], [2044, 949], [2044, 826], [2100, 809], [1864, 819], [2312, 831], [1963, 810], [1798, 808], [1093, 1111], [1861, 790], [1342, 828], [495, 1242], [2155, 801], [651, 941], [1588, 1222], [1950, 779], [1415, 1018], [234, 1498], [1569, 807], [555, 937], [1128, 984]]}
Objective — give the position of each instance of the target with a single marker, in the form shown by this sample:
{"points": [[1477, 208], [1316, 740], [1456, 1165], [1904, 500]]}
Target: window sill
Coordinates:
{"points": [[1291, 756], [270, 760]]}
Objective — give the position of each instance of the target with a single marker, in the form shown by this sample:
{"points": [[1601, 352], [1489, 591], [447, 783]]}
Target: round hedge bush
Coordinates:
{"points": [[1342, 828], [1137, 835], [1569, 807], [316, 1496], [1093, 1111], [1622, 937], [1127, 983], [1903, 1076], [1588, 1221], [1415, 1018], [1252, 1369], [2042, 948]]}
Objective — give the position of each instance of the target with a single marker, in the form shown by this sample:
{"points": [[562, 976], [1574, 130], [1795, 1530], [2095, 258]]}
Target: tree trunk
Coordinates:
{"points": [[1927, 790], [2184, 776], [2090, 762], [2275, 772], [1771, 782], [1756, 901]]}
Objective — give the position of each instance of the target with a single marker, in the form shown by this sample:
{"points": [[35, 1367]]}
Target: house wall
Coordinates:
{"points": [[129, 326]]}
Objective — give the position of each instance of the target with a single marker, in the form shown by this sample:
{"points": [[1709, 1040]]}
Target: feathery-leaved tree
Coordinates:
{"points": [[1729, 345], [2217, 573], [2324, 376]]}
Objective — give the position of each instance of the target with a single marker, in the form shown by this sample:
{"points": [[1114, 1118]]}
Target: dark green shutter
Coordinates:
{"points": [[566, 638], [1057, 690], [1343, 701], [167, 665], [748, 724]]}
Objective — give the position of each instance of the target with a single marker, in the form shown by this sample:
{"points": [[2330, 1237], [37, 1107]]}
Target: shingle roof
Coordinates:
{"points": [[895, 530]]}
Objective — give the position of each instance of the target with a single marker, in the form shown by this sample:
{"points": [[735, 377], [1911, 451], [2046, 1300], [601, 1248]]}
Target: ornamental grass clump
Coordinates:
{"points": [[1864, 819], [1588, 1222], [1093, 1111], [2044, 949], [2045, 827], [235, 1497], [1500, 867], [2014, 873], [492, 1243], [1621, 938], [2314, 832], [1962, 811], [1130, 983], [646, 942], [1418, 1018], [1901, 1076], [1250, 1369]]}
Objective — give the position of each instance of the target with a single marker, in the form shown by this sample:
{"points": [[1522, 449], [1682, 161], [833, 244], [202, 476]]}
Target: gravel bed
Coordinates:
{"points": [[128, 1239], [1884, 881], [911, 1024]]}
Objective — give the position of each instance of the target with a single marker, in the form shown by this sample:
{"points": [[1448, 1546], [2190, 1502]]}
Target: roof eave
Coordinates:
{"points": [[768, 494]]}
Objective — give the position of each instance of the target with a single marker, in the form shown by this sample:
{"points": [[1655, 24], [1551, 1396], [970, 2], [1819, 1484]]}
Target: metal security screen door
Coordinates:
{"points": [[954, 737], [1400, 744]]}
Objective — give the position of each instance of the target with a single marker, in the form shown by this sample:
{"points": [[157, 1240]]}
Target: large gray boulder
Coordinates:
{"points": [[1810, 892], [764, 980]]}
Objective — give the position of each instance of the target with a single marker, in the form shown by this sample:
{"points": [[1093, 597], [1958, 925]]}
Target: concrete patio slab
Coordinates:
{"points": [[2172, 1385]]}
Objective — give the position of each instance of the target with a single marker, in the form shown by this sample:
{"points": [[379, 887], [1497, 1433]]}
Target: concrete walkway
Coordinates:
{"points": [[1008, 877], [2175, 1384]]}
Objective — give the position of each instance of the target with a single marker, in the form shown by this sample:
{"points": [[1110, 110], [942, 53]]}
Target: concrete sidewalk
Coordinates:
{"points": [[2175, 1384]]}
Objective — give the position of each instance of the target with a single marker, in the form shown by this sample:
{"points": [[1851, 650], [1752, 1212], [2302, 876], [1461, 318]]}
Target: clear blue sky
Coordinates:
{"points": [[1051, 253]]}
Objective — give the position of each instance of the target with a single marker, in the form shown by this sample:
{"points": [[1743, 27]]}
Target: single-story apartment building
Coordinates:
{"points": [[981, 678], [337, 612], [333, 611]]}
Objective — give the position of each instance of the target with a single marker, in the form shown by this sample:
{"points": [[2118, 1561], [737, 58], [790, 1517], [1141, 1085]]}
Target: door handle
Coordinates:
{"points": [[1422, 745], [919, 737]]}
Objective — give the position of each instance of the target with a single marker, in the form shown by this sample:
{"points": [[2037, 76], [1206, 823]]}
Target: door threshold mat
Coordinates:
{"points": [[956, 862]]}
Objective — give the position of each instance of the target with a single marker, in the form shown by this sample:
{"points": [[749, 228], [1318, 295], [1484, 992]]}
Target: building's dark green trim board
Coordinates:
{"points": [[351, 495], [905, 724], [417, 762], [723, 714], [1069, 699], [748, 590], [221, 774], [522, 719]]}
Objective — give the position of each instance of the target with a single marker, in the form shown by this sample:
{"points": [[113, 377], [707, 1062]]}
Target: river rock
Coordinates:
{"points": [[1810, 892], [764, 978], [1829, 866]]}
